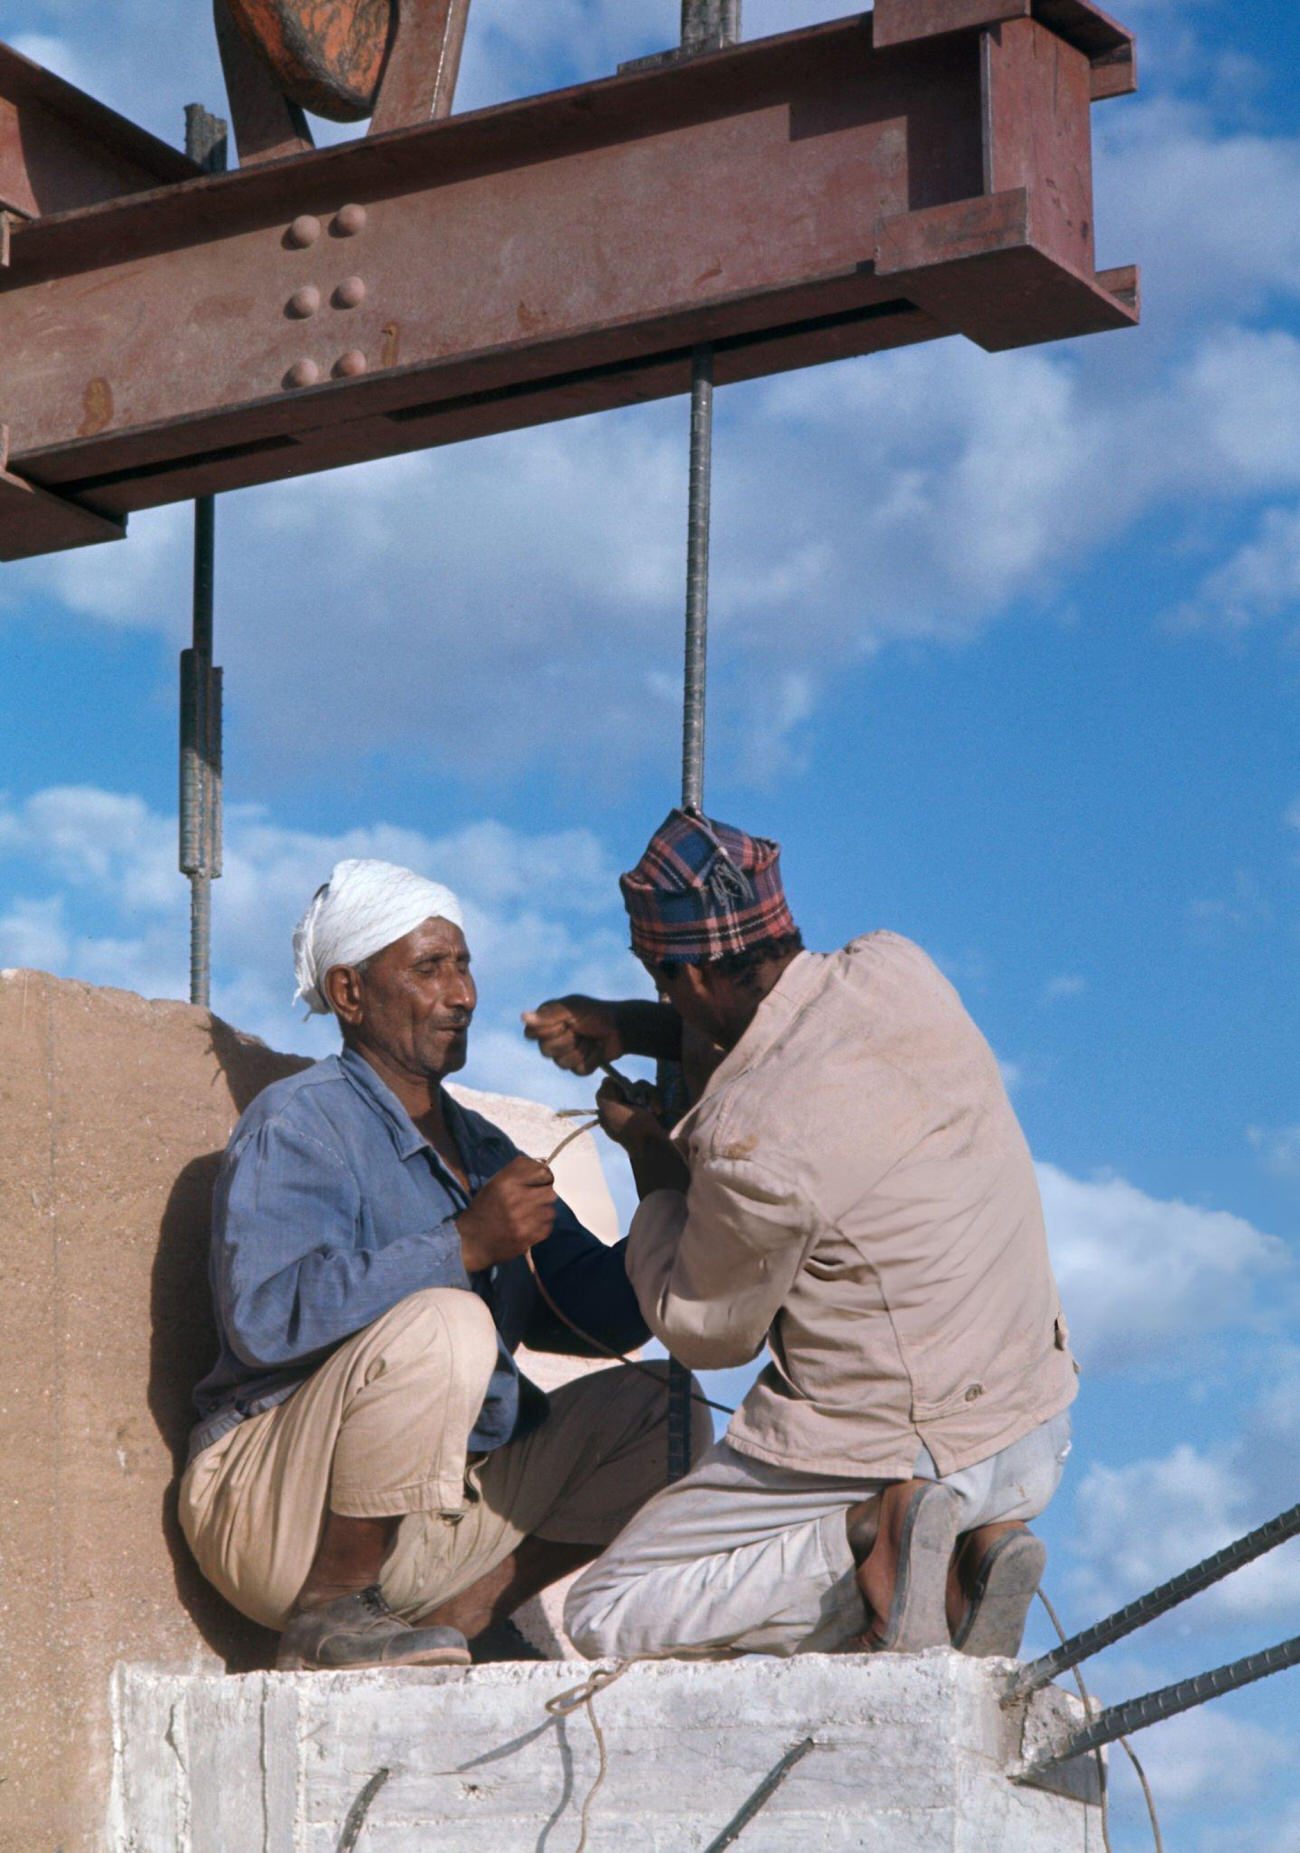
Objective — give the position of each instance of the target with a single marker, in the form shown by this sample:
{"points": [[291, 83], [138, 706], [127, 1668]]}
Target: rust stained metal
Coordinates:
{"points": [[268, 125], [419, 78], [394, 60], [325, 55], [47, 523], [60, 149], [790, 200]]}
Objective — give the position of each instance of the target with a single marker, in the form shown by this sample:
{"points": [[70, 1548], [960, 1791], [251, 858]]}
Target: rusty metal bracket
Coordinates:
{"points": [[419, 80], [267, 125], [32, 521], [785, 202], [1107, 45]]}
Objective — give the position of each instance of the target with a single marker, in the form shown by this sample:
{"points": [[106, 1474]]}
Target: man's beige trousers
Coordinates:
{"points": [[381, 1429]]}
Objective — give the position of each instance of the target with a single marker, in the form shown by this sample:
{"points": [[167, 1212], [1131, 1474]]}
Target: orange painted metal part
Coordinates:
{"points": [[790, 201], [326, 56]]}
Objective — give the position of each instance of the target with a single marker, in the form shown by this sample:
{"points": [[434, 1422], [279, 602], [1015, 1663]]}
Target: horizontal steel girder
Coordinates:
{"points": [[791, 200]]}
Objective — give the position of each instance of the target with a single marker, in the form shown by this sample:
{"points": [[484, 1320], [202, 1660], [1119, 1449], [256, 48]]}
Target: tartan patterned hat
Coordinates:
{"points": [[704, 890]]}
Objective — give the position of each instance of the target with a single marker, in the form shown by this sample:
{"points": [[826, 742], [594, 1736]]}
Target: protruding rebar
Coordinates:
{"points": [[1178, 1589], [710, 23], [1152, 1707]]}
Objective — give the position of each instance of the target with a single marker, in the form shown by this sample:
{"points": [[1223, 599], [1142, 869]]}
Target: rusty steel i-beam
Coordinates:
{"points": [[884, 179]]}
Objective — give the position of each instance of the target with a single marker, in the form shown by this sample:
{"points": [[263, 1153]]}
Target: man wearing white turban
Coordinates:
{"points": [[370, 1473]]}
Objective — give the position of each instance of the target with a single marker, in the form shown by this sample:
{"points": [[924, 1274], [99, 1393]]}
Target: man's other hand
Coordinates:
{"points": [[627, 1115], [512, 1213], [577, 1033]]}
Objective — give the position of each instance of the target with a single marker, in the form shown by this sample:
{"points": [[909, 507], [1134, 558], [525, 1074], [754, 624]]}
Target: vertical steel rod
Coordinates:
{"points": [[705, 23], [200, 794], [697, 580]]}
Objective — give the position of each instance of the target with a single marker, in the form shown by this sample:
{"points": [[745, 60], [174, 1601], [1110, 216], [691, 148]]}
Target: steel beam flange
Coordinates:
{"points": [[32, 521]]}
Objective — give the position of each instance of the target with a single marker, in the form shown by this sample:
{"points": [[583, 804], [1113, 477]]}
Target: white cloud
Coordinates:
{"points": [[1278, 1148], [1260, 581], [1246, 908], [1065, 984], [1138, 1525], [542, 913], [1140, 1277]]}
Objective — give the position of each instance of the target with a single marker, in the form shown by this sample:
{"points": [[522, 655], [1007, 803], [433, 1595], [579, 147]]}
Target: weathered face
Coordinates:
{"points": [[698, 996], [414, 1001]]}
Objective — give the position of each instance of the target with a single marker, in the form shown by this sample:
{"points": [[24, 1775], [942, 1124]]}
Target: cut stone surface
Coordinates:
{"points": [[114, 1112], [908, 1755]]}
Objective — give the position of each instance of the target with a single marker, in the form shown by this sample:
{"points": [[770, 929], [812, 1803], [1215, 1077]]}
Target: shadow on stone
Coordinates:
{"points": [[183, 1344]]}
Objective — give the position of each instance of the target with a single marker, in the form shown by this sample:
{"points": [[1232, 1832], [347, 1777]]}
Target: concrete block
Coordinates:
{"points": [[114, 1112], [910, 1755]]}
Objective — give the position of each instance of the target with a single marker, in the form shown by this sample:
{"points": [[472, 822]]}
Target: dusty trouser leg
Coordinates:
{"points": [[998, 1564], [545, 1503], [757, 1557], [739, 1554], [378, 1431]]}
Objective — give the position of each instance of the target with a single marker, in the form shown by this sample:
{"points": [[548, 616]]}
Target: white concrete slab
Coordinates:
{"points": [[910, 1755]]}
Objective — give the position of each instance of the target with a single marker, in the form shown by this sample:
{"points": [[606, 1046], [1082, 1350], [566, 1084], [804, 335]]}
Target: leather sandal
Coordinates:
{"points": [[1001, 1591], [361, 1630], [917, 1616]]}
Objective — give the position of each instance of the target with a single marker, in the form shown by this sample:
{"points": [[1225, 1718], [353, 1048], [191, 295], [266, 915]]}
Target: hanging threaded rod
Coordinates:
{"points": [[697, 580], [200, 782]]}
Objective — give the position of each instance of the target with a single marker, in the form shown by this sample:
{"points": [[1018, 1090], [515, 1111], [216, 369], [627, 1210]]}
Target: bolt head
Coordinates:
{"points": [[350, 294], [305, 230], [351, 365], [303, 373], [349, 221], [304, 302]]}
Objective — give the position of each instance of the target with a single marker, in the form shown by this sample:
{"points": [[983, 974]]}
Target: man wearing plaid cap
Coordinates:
{"points": [[851, 1188]]}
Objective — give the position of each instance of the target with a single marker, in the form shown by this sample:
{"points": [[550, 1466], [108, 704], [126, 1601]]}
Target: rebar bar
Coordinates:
{"points": [[200, 782], [697, 580], [1152, 1707], [1146, 1608], [707, 24]]}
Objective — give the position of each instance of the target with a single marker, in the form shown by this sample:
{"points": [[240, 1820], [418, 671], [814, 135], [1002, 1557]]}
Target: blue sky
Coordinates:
{"points": [[1006, 650]]}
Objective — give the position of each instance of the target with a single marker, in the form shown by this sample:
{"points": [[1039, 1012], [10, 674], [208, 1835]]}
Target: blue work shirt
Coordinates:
{"points": [[331, 1206]]}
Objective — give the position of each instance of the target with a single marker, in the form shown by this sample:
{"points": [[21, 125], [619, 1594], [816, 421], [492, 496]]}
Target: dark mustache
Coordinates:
{"points": [[460, 1019]]}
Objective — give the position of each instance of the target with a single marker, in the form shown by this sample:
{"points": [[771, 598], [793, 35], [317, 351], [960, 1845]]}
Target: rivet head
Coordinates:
{"points": [[305, 230], [349, 365], [303, 373], [349, 221], [350, 293], [304, 302]]}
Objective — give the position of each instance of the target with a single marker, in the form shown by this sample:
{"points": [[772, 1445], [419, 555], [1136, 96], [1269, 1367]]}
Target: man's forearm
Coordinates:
{"points": [[649, 1029]]}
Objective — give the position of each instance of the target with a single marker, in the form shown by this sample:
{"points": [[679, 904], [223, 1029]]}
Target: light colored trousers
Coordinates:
{"points": [[381, 1429], [742, 1554]]}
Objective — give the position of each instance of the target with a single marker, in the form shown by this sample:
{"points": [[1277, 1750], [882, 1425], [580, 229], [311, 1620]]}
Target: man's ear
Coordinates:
{"points": [[342, 989]]}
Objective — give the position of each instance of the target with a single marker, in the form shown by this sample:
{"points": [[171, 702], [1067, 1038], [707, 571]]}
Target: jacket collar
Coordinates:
{"points": [[405, 1134]]}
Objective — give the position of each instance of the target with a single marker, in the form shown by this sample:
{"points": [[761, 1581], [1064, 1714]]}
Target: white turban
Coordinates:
{"points": [[363, 907]]}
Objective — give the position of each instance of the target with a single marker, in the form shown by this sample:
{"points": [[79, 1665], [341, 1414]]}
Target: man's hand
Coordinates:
{"points": [[512, 1213], [654, 1158], [577, 1033], [627, 1115]]}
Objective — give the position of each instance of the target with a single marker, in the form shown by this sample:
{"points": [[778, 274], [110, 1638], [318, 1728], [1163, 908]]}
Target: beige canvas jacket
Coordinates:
{"points": [[862, 1198]]}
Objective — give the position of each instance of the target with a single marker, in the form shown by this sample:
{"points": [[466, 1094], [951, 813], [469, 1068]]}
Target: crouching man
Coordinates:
{"points": [[852, 1188], [370, 1473]]}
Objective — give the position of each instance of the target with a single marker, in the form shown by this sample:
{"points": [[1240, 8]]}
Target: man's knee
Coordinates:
{"points": [[445, 1323]]}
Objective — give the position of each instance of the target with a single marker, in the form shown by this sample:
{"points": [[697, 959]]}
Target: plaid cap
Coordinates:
{"points": [[703, 890]]}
